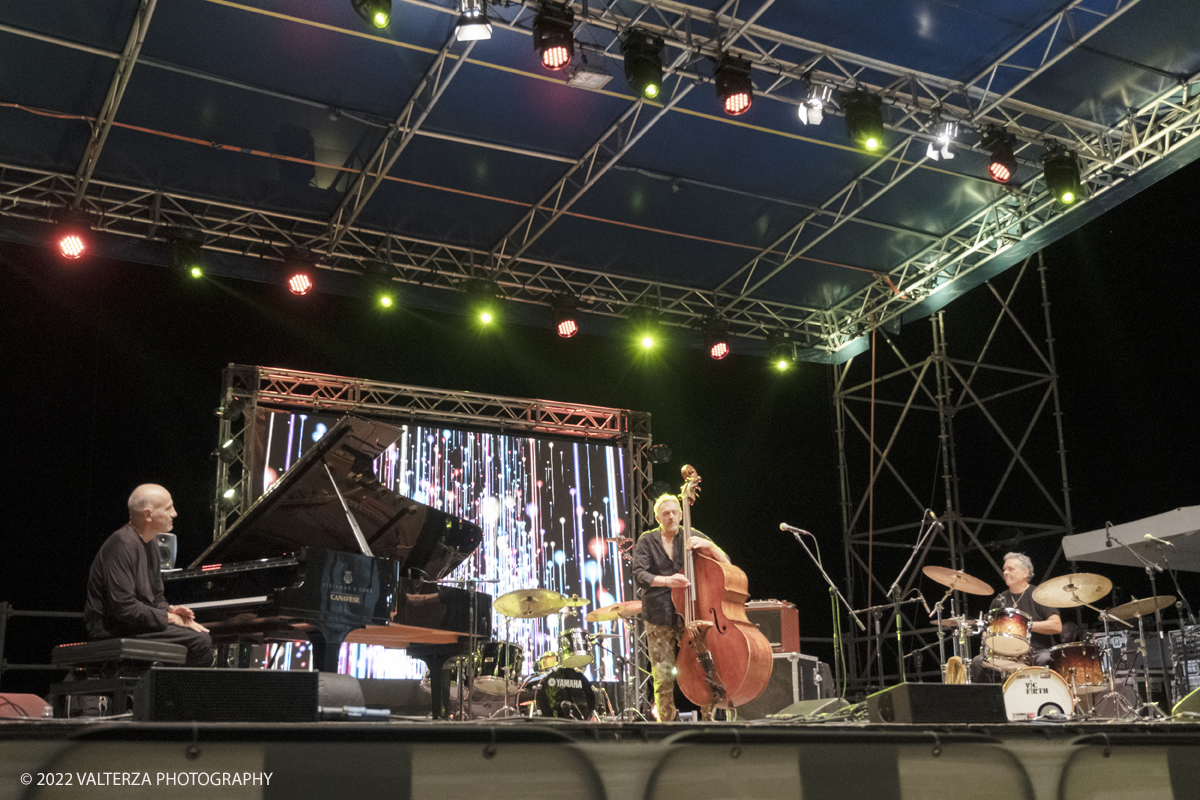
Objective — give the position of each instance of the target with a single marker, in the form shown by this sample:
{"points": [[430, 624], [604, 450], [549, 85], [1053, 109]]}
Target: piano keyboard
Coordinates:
{"points": [[237, 601]]}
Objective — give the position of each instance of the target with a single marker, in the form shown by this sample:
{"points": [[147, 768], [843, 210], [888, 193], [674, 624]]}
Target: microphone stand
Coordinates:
{"points": [[839, 655], [1150, 567], [894, 593]]}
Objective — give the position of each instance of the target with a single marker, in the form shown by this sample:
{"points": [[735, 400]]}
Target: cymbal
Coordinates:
{"points": [[625, 610], [1069, 591], [618, 540], [955, 622], [1141, 608], [957, 579], [575, 601], [529, 603]]}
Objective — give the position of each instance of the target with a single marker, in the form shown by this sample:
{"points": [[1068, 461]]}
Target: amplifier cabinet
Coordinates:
{"points": [[794, 678], [779, 621]]}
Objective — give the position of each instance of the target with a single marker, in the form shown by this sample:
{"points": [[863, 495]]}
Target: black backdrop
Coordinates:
{"points": [[112, 370]]}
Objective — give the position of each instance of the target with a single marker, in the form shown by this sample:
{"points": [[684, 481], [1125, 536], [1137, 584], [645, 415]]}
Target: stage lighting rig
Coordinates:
{"points": [[735, 90], [816, 100], [552, 36], [376, 12], [944, 131], [1002, 164], [643, 63], [781, 350], [864, 119], [716, 338], [1061, 171], [473, 25], [565, 313]]}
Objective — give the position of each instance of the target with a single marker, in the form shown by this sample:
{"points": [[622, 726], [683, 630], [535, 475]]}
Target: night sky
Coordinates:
{"points": [[112, 371]]}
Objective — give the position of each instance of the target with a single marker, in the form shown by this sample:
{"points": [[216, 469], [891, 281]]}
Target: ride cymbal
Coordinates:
{"points": [[958, 580], [1141, 608], [529, 603], [626, 610], [1069, 591], [575, 601]]}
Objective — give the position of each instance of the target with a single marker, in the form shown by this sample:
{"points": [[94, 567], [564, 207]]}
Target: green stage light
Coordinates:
{"points": [[197, 272], [483, 300], [864, 119], [376, 12], [643, 63], [1061, 172], [781, 350]]}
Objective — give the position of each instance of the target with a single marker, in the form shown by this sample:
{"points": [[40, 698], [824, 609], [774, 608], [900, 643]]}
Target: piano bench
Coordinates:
{"points": [[106, 673]]}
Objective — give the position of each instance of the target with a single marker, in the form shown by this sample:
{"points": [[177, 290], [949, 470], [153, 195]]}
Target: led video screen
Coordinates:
{"points": [[554, 512]]}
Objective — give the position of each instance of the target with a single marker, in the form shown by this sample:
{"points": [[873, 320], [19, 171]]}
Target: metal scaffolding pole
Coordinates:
{"points": [[984, 434]]}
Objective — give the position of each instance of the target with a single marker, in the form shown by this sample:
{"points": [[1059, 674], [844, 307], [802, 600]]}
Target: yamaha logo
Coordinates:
{"points": [[566, 683]]}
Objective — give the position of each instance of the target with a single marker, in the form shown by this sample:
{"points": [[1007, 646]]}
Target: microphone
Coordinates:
{"points": [[1152, 538], [783, 526], [1108, 534]]}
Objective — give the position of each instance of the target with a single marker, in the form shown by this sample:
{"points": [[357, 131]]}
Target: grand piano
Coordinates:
{"points": [[328, 551]]}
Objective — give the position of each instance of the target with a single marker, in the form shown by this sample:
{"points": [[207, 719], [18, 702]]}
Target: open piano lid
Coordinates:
{"points": [[330, 498]]}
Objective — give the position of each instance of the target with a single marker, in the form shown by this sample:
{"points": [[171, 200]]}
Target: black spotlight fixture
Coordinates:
{"points": [[643, 63], [735, 90], [646, 326], [658, 453], [473, 25], [229, 451], [781, 351], [716, 338], [381, 289], [552, 36], [817, 97], [658, 489], [231, 411], [187, 255], [565, 313], [376, 12], [864, 119], [483, 300], [1061, 171], [1002, 164]]}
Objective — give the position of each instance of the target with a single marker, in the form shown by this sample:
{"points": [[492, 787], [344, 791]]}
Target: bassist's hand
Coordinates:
{"points": [[676, 581]]}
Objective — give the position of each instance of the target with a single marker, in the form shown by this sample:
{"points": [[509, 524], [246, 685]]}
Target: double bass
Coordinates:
{"points": [[724, 660]]}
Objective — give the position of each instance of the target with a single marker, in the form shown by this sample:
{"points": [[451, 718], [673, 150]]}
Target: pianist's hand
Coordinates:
{"points": [[176, 619], [185, 613]]}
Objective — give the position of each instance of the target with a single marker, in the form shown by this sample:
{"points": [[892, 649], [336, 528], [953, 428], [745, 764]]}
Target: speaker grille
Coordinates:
{"points": [[227, 695]]}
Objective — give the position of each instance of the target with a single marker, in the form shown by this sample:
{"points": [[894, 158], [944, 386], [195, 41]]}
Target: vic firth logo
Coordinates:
{"points": [[1033, 688], [345, 598], [566, 683]]}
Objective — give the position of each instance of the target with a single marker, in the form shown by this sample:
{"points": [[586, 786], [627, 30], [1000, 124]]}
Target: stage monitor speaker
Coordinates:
{"points": [[24, 706], [922, 703], [177, 694], [779, 621], [789, 686], [168, 550]]}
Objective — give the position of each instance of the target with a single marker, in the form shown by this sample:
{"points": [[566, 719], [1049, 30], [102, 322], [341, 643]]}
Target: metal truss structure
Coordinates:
{"points": [[245, 390], [782, 65], [986, 431]]}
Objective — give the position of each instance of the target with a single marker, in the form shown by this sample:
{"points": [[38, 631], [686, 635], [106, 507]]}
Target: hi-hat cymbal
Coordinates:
{"points": [[1069, 591], [529, 603], [626, 610], [958, 580], [1141, 608], [575, 601], [973, 626]]}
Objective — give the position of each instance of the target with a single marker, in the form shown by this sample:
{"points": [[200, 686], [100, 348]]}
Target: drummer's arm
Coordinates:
{"points": [[1050, 625]]}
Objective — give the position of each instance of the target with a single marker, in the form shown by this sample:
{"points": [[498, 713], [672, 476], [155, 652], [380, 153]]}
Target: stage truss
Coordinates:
{"points": [[246, 389], [986, 436], [1109, 155]]}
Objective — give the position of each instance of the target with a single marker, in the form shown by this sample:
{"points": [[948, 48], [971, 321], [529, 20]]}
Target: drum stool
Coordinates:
{"points": [[108, 670]]}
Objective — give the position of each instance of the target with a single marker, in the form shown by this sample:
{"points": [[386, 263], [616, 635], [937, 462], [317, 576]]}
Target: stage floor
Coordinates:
{"points": [[523, 759]]}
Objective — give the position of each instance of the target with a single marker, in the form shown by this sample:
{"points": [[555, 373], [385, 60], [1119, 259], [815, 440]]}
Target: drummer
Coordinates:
{"points": [[1045, 621]]}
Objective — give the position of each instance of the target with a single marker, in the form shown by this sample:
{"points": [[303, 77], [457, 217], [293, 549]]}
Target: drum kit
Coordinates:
{"points": [[556, 687], [1081, 676]]}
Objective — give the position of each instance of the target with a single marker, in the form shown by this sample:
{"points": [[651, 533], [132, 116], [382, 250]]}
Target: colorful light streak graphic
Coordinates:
{"points": [[546, 507]]}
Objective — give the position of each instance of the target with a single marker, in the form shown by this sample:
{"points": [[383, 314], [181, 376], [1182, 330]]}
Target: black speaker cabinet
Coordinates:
{"points": [[793, 679], [923, 703], [227, 695]]}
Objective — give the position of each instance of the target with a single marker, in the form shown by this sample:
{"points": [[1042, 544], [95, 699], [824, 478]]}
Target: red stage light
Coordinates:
{"points": [[556, 57], [737, 104], [71, 245], [719, 350], [999, 172], [568, 328], [300, 283]]}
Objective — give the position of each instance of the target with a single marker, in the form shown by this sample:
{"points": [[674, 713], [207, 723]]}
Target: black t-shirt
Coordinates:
{"points": [[1023, 601], [650, 560], [125, 588]]}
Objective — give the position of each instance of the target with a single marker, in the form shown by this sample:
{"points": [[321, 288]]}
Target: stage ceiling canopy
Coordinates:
{"points": [[275, 129]]}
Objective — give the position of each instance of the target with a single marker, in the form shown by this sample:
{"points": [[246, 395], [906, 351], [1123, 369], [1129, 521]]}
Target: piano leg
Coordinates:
{"points": [[439, 688], [326, 641]]}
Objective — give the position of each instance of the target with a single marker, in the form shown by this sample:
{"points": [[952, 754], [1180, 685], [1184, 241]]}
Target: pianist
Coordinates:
{"points": [[125, 588]]}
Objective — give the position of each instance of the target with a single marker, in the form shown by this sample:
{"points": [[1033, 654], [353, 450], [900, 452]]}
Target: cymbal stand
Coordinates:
{"points": [[508, 668], [1122, 703], [937, 607], [1150, 706], [621, 663], [1168, 679], [894, 593]]}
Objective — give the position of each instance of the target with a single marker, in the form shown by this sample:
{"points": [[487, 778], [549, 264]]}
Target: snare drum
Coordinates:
{"points": [[1079, 664], [573, 648], [1000, 663], [547, 661], [497, 666], [1007, 632], [1033, 692], [562, 693]]}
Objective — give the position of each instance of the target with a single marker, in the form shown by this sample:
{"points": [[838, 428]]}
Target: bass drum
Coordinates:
{"points": [[1033, 692], [562, 693]]}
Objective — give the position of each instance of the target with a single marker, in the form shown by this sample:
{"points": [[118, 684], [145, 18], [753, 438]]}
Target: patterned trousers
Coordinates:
{"points": [[662, 641]]}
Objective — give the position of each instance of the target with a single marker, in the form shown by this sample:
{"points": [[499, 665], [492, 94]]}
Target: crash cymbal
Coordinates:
{"points": [[1069, 591], [958, 580], [529, 603], [575, 601], [973, 626], [1141, 608], [625, 610]]}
